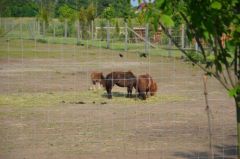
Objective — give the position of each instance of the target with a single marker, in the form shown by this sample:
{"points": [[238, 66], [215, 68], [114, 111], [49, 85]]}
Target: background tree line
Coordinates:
{"points": [[32, 8]]}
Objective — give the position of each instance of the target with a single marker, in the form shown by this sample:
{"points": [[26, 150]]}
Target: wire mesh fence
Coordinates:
{"points": [[47, 110]]}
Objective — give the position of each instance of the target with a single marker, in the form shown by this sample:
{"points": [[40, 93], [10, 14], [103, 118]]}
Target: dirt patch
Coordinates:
{"points": [[46, 110]]}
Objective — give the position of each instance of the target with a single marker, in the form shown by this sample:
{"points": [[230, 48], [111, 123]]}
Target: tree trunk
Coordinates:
{"points": [[237, 100]]}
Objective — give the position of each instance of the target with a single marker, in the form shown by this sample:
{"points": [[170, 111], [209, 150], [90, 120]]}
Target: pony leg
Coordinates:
{"points": [[109, 92], [147, 95], [129, 92], [143, 95], [98, 86]]}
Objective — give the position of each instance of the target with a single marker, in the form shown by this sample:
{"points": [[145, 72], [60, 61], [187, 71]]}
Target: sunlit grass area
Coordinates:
{"points": [[87, 97]]}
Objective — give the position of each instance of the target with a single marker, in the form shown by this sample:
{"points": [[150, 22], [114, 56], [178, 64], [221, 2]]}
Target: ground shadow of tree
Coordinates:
{"points": [[220, 152]]}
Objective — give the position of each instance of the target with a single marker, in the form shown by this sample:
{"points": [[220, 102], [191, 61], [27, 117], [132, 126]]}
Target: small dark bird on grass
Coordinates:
{"points": [[143, 55], [121, 55]]}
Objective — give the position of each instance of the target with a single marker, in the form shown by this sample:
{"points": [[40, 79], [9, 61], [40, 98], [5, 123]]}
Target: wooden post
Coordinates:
{"points": [[44, 27], [146, 39], [92, 30], [126, 37], [196, 46], [5, 24], [65, 28], [183, 36], [0, 21], [39, 27], [169, 42], [78, 31], [108, 35], [21, 28], [54, 30]]}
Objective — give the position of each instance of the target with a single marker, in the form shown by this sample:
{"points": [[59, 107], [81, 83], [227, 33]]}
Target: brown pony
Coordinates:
{"points": [[146, 84], [97, 79], [121, 79], [153, 88]]}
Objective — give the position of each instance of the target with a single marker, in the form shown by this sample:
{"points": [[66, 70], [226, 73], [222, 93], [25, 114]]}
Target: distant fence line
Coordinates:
{"points": [[31, 28]]}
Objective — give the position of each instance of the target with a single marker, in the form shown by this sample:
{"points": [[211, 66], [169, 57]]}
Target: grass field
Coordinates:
{"points": [[48, 111]]}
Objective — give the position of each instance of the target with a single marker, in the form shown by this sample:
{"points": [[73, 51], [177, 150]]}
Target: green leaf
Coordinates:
{"points": [[155, 23], [159, 3], [216, 5], [234, 92], [167, 20], [206, 35]]}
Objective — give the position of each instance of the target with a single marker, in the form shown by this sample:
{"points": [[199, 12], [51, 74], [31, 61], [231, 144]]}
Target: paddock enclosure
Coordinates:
{"points": [[47, 110]]}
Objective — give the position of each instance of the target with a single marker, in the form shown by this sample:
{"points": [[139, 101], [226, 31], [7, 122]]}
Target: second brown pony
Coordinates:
{"points": [[121, 79], [97, 79], [146, 84]]}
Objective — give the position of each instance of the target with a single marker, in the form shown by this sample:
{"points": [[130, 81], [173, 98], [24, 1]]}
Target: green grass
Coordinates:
{"points": [[88, 97], [51, 48]]}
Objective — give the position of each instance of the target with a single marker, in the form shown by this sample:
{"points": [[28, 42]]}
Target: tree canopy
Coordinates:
{"points": [[31, 8]]}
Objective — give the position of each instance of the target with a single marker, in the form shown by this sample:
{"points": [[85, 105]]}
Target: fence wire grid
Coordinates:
{"points": [[48, 111]]}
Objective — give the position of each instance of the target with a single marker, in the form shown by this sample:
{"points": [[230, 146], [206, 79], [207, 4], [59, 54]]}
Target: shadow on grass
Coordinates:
{"points": [[220, 152], [119, 95]]}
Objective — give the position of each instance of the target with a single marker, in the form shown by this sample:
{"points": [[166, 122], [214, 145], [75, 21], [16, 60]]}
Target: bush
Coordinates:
{"points": [[42, 41], [196, 57]]}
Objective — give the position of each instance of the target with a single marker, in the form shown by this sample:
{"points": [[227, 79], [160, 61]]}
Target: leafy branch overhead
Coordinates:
{"points": [[207, 23]]}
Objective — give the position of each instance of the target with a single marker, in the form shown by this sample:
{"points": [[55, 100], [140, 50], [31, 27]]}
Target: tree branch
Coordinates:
{"points": [[190, 58], [225, 63], [195, 35]]}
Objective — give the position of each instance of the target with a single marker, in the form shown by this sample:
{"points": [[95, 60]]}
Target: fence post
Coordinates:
{"points": [[169, 42], [183, 37], [54, 31], [78, 31], [44, 27], [21, 28], [0, 21], [38, 27], [5, 24], [92, 30], [146, 39], [126, 37], [108, 35], [196, 46], [65, 28]]}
